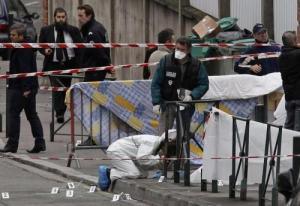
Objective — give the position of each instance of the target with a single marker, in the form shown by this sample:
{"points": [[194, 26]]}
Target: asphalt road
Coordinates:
{"points": [[28, 186]]}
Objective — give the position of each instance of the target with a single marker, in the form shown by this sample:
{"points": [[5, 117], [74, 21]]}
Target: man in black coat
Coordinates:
{"points": [[22, 94], [289, 65], [93, 32], [60, 59]]}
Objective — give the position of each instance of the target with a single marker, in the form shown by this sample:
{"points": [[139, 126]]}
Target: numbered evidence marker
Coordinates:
{"points": [[161, 179], [5, 195], [128, 197], [71, 185], [69, 193], [92, 189], [54, 190], [116, 198]]}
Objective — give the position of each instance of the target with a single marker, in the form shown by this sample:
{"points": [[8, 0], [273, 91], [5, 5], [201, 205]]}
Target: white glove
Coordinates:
{"points": [[247, 60], [156, 109], [187, 98]]}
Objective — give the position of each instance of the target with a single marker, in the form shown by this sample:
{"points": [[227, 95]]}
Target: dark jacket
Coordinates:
{"points": [[269, 65], [23, 61], [94, 32], [168, 79], [47, 36], [289, 63]]}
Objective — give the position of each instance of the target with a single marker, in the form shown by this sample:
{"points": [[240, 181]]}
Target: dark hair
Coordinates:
{"points": [[59, 10], [19, 28], [165, 35], [87, 9], [288, 38], [184, 41], [171, 148]]}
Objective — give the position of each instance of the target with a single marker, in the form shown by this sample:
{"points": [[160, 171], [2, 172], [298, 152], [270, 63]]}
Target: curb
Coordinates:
{"points": [[65, 172], [137, 191]]}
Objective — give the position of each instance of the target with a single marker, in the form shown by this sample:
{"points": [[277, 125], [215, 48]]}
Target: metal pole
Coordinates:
{"points": [[52, 118], [71, 155], [166, 139], [178, 147], [232, 176]]}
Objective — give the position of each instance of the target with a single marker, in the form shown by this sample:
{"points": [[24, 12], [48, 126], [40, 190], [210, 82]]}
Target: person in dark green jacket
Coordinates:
{"points": [[179, 77]]}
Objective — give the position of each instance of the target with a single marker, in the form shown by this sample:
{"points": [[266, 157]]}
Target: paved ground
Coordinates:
{"points": [[29, 186]]}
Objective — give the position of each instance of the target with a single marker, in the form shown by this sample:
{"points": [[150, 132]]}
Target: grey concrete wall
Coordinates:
{"points": [[125, 22]]}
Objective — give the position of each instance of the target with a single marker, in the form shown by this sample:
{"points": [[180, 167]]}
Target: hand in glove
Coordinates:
{"points": [[156, 109], [187, 98]]}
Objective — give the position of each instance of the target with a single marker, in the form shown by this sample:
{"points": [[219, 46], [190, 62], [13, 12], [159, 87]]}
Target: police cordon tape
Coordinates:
{"points": [[127, 66], [166, 158], [54, 89], [120, 45]]}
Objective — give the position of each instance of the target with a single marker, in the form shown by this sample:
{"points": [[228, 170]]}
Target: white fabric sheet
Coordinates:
{"points": [[218, 143], [242, 86]]}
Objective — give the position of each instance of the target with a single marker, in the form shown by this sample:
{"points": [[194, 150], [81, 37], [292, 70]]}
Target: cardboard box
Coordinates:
{"points": [[206, 27]]}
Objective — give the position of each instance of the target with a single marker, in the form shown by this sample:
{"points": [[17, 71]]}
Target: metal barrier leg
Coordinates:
{"points": [[166, 140], [232, 176], [243, 192], [52, 120], [1, 128], [71, 155], [187, 164], [6, 108], [214, 186], [261, 200], [178, 148]]}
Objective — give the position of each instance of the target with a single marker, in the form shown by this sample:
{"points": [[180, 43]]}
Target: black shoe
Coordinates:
{"points": [[7, 149], [37, 149], [88, 142], [60, 119]]}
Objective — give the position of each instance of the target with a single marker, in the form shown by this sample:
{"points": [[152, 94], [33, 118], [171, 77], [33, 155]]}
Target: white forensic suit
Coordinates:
{"points": [[135, 149]]}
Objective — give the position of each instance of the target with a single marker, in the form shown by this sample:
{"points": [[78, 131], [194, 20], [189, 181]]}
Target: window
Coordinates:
{"points": [[17, 8]]}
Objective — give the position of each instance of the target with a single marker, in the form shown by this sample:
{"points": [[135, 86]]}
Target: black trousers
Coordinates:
{"points": [[17, 102], [59, 97], [290, 107], [95, 76]]}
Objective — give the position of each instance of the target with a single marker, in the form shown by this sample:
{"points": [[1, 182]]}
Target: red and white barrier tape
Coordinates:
{"points": [[259, 55], [192, 158], [127, 66], [73, 71], [119, 45], [54, 89]]}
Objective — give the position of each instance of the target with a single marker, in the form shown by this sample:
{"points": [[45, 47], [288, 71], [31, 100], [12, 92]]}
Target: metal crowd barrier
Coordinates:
{"points": [[244, 152], [183, 139], [55, 131], [276, 151], [74, 146], [270, 154]]}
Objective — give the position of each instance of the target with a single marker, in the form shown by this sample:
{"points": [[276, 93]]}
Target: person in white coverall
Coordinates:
{"points": [[140, 153]]}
